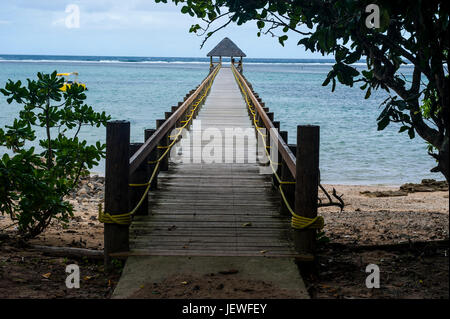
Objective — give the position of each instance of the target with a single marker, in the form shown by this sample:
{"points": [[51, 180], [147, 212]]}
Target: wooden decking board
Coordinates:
{"points": [[208, 253], [214, 209]]}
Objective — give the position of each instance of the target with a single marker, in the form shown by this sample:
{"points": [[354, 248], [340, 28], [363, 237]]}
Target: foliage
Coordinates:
{"points": [[322, 239], [415, 32], [33, 183]]}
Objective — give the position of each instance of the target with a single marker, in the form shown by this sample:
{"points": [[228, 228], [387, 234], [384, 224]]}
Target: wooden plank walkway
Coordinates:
{"points": [[215, 208]]}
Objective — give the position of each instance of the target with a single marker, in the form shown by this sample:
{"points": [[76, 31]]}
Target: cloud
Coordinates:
{"points": [[124, 16], [41, 5]]}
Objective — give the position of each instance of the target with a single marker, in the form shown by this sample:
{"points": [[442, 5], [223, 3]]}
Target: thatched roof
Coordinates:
{"points": [[226, 47]]}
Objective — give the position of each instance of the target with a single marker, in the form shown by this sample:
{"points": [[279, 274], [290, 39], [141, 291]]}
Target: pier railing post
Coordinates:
{"points": [[153, 157], [116, 237], [307, 183], [286, 175], [178, 122], [164, 164], [139, 176]]}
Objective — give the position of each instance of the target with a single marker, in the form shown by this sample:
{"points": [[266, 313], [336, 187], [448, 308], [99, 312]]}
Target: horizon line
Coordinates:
{"points": [[141, 56]]}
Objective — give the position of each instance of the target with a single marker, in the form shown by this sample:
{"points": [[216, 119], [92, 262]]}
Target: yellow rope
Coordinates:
{"points": [[125, 219], [297, 221]]}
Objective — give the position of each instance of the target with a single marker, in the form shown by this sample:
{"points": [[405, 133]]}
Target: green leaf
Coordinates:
{"points": [[403, 128], [383, 123], [368, 92], [282, 38]]}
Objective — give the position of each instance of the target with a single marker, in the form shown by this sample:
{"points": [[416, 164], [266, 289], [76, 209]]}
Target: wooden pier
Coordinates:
{"points": [[193, 189], [214, 209], [189, 206]]}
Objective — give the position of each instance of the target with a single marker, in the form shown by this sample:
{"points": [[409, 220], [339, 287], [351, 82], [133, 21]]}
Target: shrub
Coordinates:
{"points": [[33, 183]]}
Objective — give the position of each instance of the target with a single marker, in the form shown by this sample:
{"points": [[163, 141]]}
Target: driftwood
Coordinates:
{"points": [[402, 246], [340, 203], [70, 252]]}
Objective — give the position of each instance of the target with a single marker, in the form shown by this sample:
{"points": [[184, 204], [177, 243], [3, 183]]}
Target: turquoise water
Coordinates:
{"points": [[352, 150]]}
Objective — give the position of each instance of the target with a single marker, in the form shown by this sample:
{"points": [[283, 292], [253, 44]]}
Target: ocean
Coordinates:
{"points": [[141, 89]]}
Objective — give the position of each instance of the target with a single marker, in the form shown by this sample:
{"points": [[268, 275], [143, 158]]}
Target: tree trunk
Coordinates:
{"points": [[443, 158]]}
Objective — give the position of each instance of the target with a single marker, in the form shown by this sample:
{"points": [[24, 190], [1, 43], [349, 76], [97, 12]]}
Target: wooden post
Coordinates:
{"points": [[152, 158], [307, 183], [174, 108], [276, 124], [277, 162], [288, 189], [116, 237], [139, 176], [164, 164], [258, 120], [188, 110], [198, 108]]}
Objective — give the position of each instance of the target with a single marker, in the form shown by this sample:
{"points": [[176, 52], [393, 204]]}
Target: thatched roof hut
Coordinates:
{"points": [[227, 48]]}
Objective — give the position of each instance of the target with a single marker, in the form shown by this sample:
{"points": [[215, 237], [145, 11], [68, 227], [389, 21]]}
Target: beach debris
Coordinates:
{"points": [[340, 202], [247, 224], [427, 185], [384, 193], [47, 275], [229, 272]]}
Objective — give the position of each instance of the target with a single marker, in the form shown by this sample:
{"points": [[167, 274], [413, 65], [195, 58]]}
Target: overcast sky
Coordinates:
{"points": [[123, 28]]}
